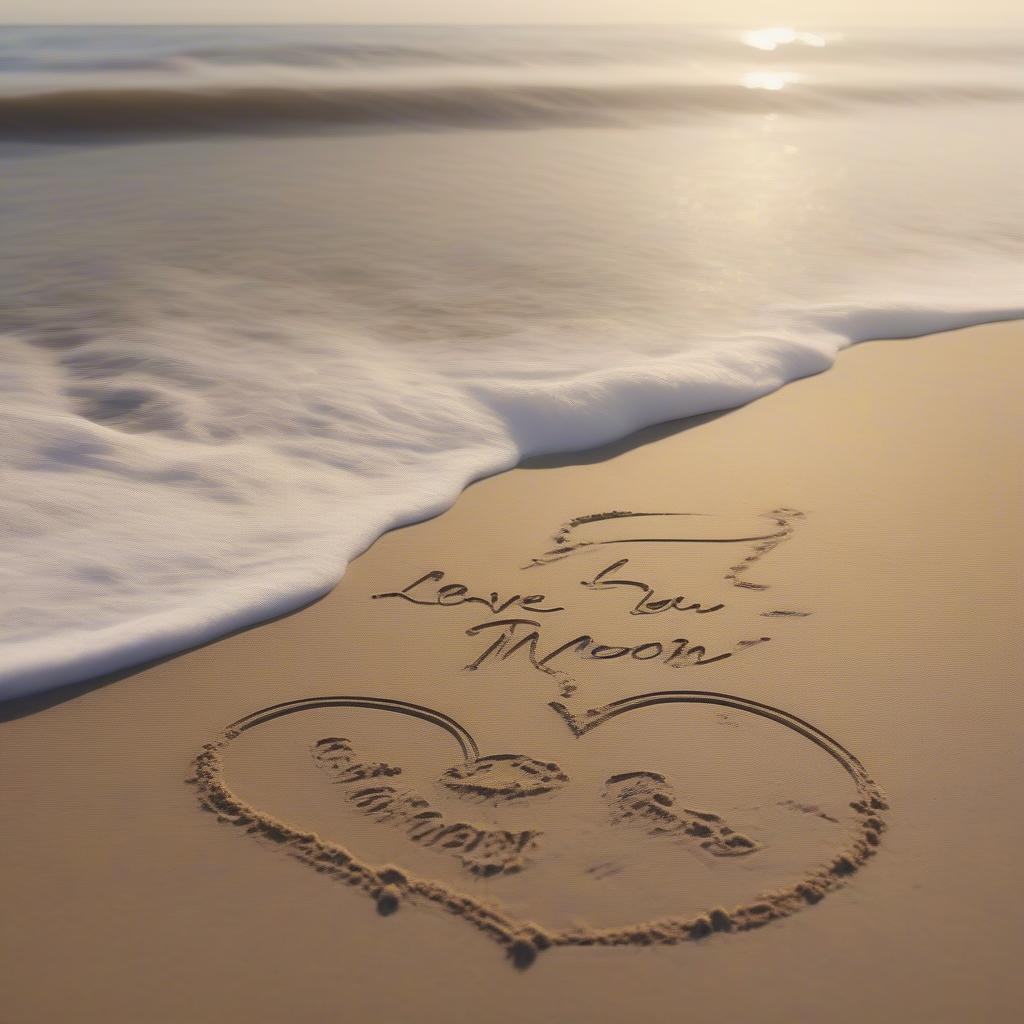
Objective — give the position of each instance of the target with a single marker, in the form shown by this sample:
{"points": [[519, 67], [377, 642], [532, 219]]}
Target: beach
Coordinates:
{"points": [[720, 719]]}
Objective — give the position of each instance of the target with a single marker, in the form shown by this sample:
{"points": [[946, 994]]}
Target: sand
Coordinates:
{"points": [[749, 751]]}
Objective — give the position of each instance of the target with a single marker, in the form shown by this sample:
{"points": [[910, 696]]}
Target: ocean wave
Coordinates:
{"points": [[155, 112], [140, 49], [301, 55]]}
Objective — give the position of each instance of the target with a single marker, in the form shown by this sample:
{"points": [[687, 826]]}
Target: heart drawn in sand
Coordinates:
{"points": [[643, 801]]}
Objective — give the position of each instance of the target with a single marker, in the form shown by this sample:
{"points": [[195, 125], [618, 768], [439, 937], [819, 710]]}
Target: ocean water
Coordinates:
{"points": [[266, 293]]}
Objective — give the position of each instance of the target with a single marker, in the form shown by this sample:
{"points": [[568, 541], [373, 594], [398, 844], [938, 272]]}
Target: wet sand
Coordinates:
{"points": [[750, 750]]}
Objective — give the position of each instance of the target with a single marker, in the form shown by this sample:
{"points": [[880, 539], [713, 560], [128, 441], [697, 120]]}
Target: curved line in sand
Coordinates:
{"points": [[564, 547], [833, 747], [470, 751]]}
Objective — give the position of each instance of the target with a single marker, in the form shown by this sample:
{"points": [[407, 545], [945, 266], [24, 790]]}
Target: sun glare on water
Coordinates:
{"points": [[771, 80], [773, 38]]}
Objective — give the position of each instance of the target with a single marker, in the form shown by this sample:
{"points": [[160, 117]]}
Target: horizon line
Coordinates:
{"points": [[958, 25]]}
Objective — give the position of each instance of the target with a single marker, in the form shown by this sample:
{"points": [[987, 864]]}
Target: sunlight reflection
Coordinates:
{"points": [[773, 38], [773, 80]]}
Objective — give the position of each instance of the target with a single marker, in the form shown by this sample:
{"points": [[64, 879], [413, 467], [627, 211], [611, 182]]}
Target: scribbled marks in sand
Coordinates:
{"points": [[647, 799], [481, 851], [392, 887], [812, 809], [783, 519], [504, 777], [622, 527], [605, 869], [334, 754]]}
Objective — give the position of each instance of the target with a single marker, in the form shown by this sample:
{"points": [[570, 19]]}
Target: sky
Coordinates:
{"points": [[751, 13]]}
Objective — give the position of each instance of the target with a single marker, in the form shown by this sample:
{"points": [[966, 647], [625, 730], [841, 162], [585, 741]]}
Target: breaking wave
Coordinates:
{"points": [[256, 110]]}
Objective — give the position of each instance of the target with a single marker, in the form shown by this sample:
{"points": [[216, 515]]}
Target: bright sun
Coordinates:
{"points": [[773, 38]]}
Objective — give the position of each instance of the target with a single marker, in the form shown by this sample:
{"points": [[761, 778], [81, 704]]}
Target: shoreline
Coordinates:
{"points": [[161, 637]]}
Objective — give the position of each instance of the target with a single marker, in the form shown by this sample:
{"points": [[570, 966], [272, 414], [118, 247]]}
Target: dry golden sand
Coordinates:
{"points": [[832, 810]]}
